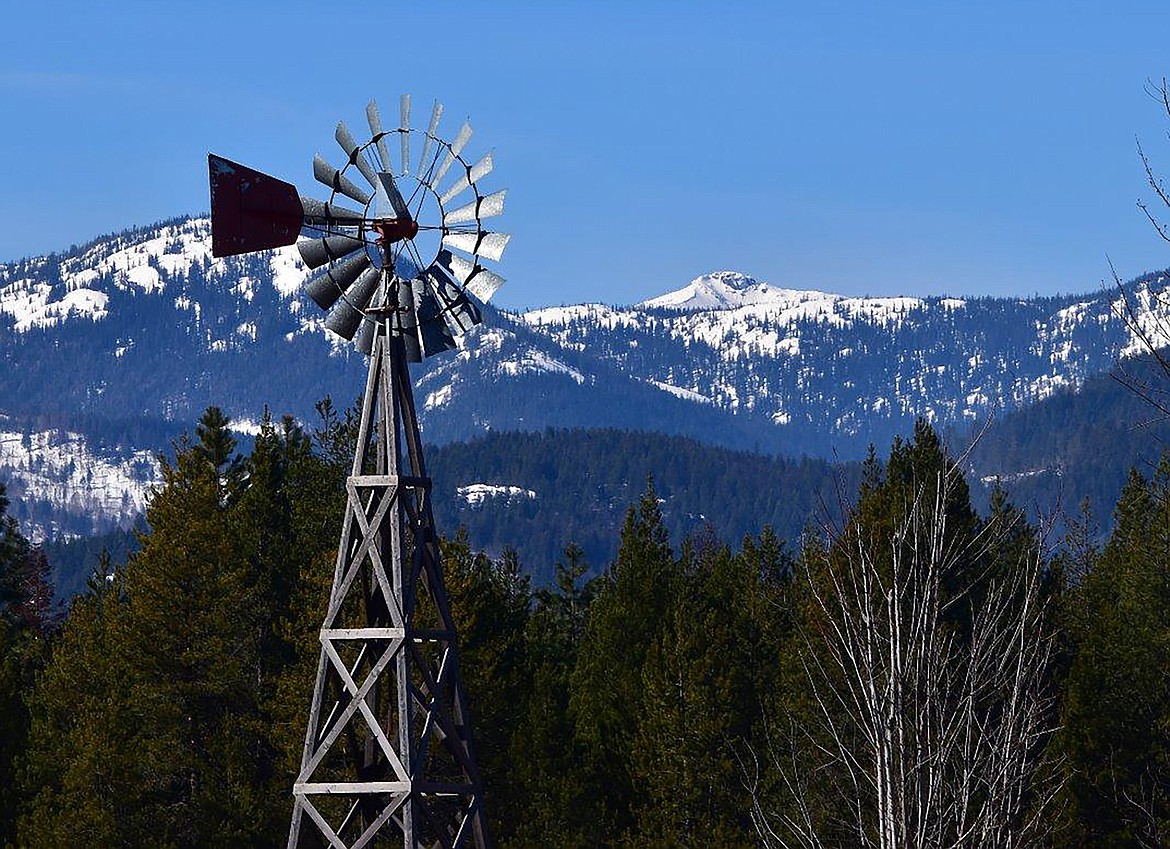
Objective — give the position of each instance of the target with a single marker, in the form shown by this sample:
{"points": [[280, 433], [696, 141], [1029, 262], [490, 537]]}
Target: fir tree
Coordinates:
{"points": [[607, 697], [26, 621], [162, 718], [1116, 734], [703, 681], [546, 758], [490, 602]]}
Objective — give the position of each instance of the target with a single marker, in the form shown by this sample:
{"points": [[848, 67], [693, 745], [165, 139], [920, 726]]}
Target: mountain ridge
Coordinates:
{"points": [[146, 326]]}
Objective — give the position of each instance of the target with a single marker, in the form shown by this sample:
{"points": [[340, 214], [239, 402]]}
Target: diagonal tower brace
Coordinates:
{"points": [[388, 757]]}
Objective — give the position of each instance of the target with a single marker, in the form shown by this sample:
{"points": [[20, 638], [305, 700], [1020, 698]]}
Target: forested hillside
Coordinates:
{"points": [[766, 691], [575, 485], [1079, 444]]}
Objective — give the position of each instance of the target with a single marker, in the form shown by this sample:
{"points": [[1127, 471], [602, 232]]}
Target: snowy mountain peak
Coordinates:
{"points": [[721, 290], [730, 279]]}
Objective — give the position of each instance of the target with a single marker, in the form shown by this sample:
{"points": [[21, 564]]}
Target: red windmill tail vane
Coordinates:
{"points": [[250, 211]]}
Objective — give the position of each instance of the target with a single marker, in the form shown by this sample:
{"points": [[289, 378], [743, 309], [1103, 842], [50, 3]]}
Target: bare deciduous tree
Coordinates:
{"points": [[930, 734], [1146, 310]]}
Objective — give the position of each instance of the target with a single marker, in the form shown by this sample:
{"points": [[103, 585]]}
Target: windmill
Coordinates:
{"points": [[388, 756]]}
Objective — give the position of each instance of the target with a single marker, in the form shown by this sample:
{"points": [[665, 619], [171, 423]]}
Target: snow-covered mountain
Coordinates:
{"points": [[847, 371], [719, 290], [127, 339]]}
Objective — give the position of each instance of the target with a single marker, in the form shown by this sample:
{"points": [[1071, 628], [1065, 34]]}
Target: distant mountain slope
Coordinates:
{"points": [[507, 377], [839, 373], [126, 340], [147, 323], [1079, 443], [59, 482]]}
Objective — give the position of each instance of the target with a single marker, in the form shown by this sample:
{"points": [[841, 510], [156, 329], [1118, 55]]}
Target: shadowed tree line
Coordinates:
{"points": [[916, 674]]}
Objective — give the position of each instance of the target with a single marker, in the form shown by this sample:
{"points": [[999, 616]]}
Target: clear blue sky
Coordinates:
{"points": [[876, 148]]}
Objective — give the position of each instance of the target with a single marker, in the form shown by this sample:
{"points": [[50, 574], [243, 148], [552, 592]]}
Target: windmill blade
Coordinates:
{"points": [[487, 245], [456, 148], [432, 128], [250, 211], [404, 124], [327, 175], [317, 252], [433, 331], [393, 195], [374, 119], [350, 146], [347, 315], [454, 305], [479, 209], [476, 279], [364, 341], [326, 288], [474, 174], [317, 213], [407, 321]]}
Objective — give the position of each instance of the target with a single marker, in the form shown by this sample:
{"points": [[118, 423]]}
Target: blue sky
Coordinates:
{"points": [[880, 148]]}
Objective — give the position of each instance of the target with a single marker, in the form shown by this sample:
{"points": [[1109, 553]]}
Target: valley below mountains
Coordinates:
{"points": [[112, 349]]}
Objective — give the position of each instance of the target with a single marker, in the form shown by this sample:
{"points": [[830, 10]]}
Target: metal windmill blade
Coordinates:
{"points": [[425, 162]]}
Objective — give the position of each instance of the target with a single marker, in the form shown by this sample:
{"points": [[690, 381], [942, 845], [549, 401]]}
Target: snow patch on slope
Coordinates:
{"points": [[140, 261], [532, 361], [1146, 314], [679, 392], [60, 467], [475, 494], [594, 314]]}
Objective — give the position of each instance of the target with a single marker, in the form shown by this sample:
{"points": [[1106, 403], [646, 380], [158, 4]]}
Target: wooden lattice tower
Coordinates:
{"points": [[388, 697], [388, 757]]}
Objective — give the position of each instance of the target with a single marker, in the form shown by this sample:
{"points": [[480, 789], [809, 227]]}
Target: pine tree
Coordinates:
{"points": [[547, 761], [703, 680], [490, 602], [25, 624], [607, 694], [163, 718], [77, 776], [1116, 729]]}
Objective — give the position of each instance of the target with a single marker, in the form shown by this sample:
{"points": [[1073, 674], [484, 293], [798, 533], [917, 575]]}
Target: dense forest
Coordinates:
{"points": [[1079, 442], [910, 672], [583, 480]]}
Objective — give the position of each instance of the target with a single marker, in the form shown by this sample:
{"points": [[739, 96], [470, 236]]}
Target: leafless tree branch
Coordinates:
{"points": [[932, 739]]}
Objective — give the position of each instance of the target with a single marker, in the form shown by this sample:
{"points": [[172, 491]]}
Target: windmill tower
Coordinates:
{"points": [[388, 757]]}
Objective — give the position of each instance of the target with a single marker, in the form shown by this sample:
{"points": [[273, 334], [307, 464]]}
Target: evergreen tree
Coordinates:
{"points": [[77, 771], [1116, 729], [162, 718], [490, 602], [26, 621], [546, 757], [607, 693], [703, 679]]}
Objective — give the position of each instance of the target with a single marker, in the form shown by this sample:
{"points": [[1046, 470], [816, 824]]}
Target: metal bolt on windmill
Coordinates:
{"points": [[388, 757]]}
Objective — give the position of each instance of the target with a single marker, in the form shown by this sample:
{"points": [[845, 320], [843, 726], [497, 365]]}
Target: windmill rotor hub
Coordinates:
{"points": [[391, 230]]}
